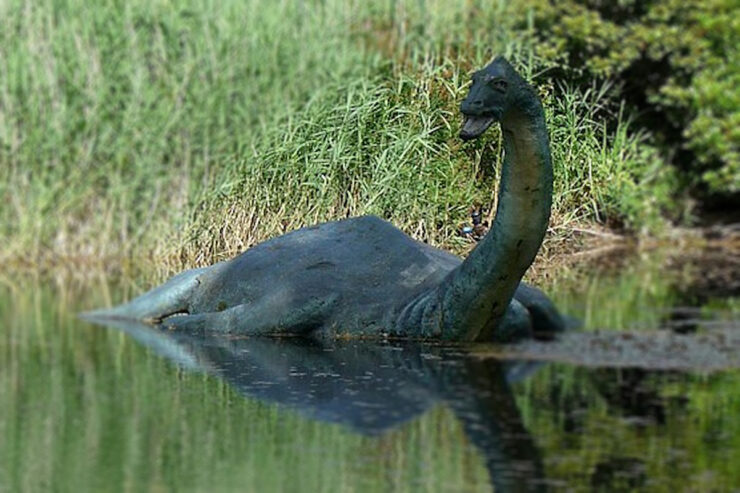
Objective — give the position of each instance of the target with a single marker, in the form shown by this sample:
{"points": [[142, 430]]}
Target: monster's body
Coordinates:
{"points": [[352, 278], [363, 277]]}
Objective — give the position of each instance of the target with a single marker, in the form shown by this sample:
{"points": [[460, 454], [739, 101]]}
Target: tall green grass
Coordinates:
{"points": [[177, 134], [115, 115]]}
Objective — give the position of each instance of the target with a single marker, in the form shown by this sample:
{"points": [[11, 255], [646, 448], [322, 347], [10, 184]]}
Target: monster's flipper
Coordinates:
{"points": [[152, 307]]}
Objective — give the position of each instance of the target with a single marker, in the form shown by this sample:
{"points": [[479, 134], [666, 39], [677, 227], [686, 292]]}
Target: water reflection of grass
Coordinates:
{"points": [[681, 431], [636, 292], [83, 408], [689, 438]]}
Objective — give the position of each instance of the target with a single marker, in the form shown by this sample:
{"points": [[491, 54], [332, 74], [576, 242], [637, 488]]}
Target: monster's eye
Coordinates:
{"points": [[498, 84]]}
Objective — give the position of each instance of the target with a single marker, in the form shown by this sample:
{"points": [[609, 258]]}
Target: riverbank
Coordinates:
{"points": [[708, 259]]}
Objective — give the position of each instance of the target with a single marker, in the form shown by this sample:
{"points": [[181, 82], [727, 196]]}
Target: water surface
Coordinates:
{"points": [[85, 408]]}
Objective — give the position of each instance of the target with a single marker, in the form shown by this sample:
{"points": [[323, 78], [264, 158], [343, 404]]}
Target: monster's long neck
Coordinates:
{"points": [[474, 296]]}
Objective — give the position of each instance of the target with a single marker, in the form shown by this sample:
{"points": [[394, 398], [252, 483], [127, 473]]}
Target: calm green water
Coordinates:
{"points": [[84, 408]]}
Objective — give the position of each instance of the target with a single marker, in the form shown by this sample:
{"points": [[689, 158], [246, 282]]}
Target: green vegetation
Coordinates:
{"points": [[113, 117], [182, 134], [677, 63]]}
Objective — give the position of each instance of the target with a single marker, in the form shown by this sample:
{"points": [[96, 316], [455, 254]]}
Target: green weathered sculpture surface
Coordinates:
{"points": [[363, 277]]}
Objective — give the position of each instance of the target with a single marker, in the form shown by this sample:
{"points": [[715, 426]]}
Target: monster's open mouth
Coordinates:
{"points": [[474, 126]]}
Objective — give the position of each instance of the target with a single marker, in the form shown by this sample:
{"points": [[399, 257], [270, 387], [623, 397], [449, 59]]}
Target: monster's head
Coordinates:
{"points": [[495, 90]]}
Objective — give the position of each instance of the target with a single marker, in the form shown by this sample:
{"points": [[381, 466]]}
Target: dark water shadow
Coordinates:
{"points": [[372, 388]]}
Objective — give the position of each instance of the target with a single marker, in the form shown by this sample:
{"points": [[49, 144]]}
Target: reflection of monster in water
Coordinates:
{"points": [[372, 388]]}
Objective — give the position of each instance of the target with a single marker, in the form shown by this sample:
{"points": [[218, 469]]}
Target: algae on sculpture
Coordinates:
{"points": [[363, 277]]}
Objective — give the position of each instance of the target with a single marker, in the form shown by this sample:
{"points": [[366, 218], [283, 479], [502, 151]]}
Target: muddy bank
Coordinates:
{"points": [[654, 350]]}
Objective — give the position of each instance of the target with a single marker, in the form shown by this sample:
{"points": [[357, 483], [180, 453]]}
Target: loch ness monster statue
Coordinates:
{"points": [[363, 277]]}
